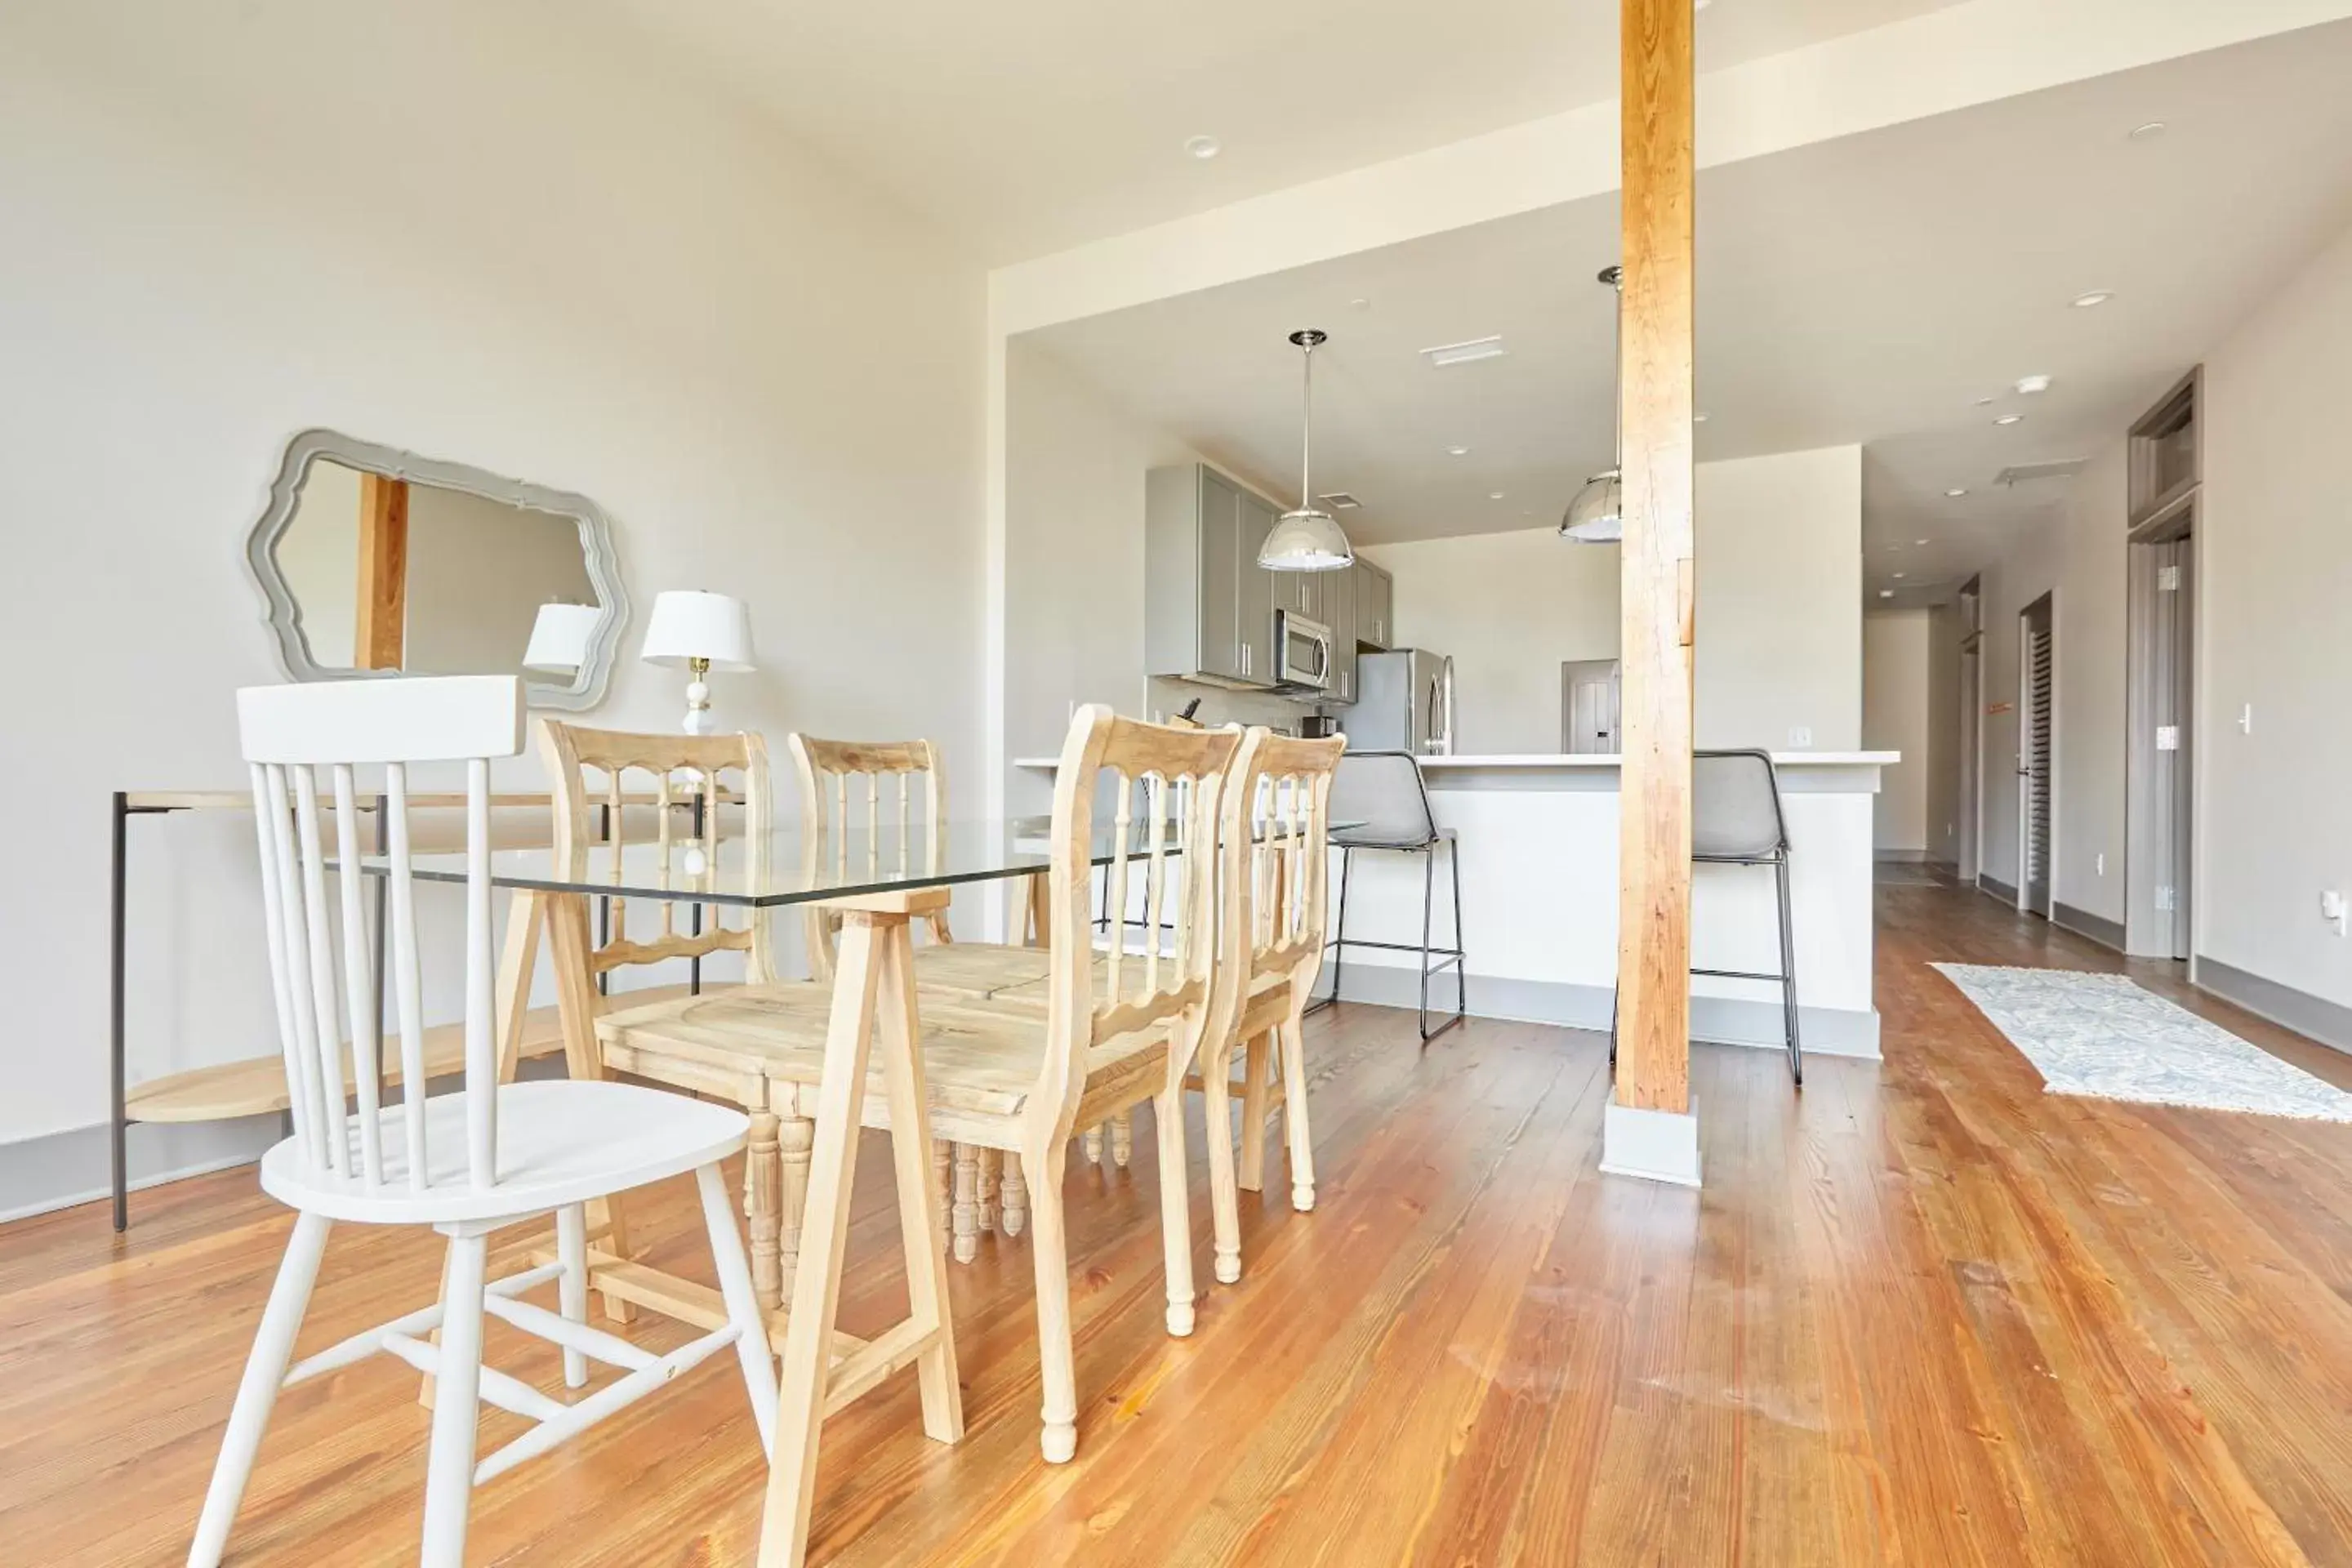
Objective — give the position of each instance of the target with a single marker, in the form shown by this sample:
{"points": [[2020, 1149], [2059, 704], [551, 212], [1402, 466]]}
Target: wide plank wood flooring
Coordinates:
{"points": [[1922, 1313]]}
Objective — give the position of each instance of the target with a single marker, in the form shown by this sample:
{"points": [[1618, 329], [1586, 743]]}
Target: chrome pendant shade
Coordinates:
{"points": [[1307, 538], [1597, 515]]}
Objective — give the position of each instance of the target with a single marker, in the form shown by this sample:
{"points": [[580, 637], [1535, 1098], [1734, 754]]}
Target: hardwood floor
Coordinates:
{"points": [[1922, 1313]]}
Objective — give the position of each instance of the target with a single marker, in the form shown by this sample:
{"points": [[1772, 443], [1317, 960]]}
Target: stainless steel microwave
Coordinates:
{"points": [[1302, 652]]}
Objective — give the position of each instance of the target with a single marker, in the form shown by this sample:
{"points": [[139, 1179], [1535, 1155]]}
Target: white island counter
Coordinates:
{"points": [[1537, 837]]}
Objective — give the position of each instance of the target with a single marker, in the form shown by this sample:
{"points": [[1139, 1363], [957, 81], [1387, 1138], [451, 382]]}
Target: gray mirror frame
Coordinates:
{"points": [[285, 617]]}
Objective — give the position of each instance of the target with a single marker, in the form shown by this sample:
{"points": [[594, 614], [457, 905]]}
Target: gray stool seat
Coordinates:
{"points": [[1383, 793], [1736, 820]]}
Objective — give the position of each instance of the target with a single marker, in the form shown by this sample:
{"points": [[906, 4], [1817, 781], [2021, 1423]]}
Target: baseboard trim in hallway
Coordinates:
{"points": [[2108, 933], [2314, 1018], [1989, 883]]}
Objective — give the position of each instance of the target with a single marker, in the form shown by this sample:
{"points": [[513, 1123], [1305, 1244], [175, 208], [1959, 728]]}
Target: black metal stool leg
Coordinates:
{"points": [[1461, 952], [1789, 971], [1336, 946], [1428, 904]]}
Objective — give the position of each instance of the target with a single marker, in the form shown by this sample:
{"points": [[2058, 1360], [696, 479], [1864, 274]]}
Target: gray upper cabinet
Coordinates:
{"points": [[1375, 604], [1208, 606], [1338, 600], [1257, 592]]}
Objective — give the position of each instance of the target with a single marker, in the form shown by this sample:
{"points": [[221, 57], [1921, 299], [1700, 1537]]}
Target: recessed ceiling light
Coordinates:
{"points": [[1887, 592], [1984, 403], [1204, 147], [1457, 451], [1957, 491], [2148, 133], [1898, 576], [1699, 418], [2029, 385], [1494, 495], [1464, 353], [2097, 297], [1360, 304], [1923, 542], [2009, 419]]}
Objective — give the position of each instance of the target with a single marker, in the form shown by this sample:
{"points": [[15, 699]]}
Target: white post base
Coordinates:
{"points": [[1654, 1145]]}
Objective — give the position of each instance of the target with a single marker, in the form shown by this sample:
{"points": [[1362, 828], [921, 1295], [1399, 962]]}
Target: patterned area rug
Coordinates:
{"points": [[2103, 1035]]}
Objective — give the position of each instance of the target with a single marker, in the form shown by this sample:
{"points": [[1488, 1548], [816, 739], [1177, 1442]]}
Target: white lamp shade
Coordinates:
{"points": [[558, 638], [1307, 539], [687, 626]]}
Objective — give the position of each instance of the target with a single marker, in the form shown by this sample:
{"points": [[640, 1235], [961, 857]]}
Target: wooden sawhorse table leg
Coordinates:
{"points": [[874, 992]]}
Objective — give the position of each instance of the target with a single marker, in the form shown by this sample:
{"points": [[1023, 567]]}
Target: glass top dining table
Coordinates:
{"points": [[790, 867]]}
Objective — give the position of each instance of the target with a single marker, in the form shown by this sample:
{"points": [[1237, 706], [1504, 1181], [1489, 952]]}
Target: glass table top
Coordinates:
{"points": [[788, 866]]}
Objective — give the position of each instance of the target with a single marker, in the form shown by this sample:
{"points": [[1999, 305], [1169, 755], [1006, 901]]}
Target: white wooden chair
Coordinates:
{"points": [[466, 1164]]}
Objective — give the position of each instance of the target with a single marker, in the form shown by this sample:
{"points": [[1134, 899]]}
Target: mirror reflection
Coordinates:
{"points": [[394, 573]]}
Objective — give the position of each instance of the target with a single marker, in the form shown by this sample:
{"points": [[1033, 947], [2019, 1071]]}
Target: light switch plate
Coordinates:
{"points": [[1800, 737]]}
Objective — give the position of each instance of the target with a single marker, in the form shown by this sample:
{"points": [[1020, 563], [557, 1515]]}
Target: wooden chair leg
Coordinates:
{"points": [[449, 1466], [1093, 1144], [989, 1183], [943, 1171], [517, 961], [1049, 1255], [257, 1392], [1225, 1197], [763, 1206], [918, 1218], [966, 1203], [1175, 1205], [793, 1139], [1014, 1208], [1293, 1115], [1254, 1062], [1122, 1138]]}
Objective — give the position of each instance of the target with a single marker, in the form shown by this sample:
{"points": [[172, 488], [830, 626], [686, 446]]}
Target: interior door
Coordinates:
{"points": [[1971, 727], [1589, 702], [2036, 752], [2157, 826]]}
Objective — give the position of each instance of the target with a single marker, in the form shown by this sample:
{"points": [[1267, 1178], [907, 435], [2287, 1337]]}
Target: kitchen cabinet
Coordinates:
{"points": [[1208, 606], [1257, 591], [1339, 591], [1375, 604]]}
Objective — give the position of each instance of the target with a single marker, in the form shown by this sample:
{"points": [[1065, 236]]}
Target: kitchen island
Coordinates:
{"points": [[1537, 837]]}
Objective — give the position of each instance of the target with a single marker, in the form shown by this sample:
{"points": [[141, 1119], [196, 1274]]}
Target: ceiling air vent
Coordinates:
{"points": [[1340, 500], [1463, 353], [2026, 473]]}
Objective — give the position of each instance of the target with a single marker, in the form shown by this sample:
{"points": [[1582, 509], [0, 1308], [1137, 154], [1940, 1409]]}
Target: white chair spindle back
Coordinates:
{"points": [[290, 732]]}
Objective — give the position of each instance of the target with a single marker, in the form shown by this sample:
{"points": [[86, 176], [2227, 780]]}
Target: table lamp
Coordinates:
{"points": [[699, 631], [558, 638]]}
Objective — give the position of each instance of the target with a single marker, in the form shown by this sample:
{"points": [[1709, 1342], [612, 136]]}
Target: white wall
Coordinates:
{"points": [[2076, 555], [1780, 616], [1895, 703], [219, 232], [2276, 559], [1944, 720]]}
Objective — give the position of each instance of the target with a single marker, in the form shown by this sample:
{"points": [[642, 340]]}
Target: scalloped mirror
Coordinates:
{"points": [[378, 562]]}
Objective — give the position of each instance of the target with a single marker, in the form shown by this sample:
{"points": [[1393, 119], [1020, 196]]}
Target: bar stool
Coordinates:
{"points": [[1736, 820], [1384, 794]]}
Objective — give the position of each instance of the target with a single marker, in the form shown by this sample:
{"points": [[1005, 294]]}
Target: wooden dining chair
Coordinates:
{"points": [[466, 1164], [1277, 815], [589, 771], [1103, 1033]]}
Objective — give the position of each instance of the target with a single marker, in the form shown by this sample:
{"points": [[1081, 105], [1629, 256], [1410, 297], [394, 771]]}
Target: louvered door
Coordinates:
{"points": [[2035, 752]]}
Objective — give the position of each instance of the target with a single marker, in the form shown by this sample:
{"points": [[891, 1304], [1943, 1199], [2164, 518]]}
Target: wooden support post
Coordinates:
{"points": [[383, 624], [1654, 912]]}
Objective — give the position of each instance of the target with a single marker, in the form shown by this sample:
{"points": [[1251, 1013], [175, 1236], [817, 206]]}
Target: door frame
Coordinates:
{"points": [[1967, 853], [2182, 857], [2047, 604]]}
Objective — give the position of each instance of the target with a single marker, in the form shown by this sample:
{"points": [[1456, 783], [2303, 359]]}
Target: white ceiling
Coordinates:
{"points": [[1865, 291], [1024, 127]]}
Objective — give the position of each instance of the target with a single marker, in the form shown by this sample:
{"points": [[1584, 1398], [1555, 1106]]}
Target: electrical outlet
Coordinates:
{"points": [[1800, 737], [2332, 909], [2246, 719]]}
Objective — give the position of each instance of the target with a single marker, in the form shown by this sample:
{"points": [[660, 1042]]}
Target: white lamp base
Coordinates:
{"points": [[697, 708]]}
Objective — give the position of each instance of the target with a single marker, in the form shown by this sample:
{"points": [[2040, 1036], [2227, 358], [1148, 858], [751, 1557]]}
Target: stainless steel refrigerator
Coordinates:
{"points": [[1405, 702]]}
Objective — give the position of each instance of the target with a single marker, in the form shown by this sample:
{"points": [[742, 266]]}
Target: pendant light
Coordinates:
{"points": [[1309, 539], [1597, 514]]}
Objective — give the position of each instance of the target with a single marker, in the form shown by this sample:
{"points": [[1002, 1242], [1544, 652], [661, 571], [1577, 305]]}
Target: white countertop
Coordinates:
{"points": [[1589, 760]]}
